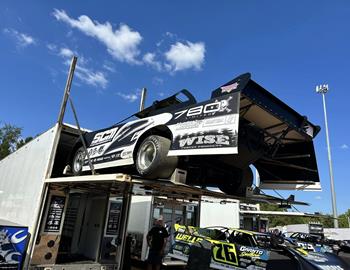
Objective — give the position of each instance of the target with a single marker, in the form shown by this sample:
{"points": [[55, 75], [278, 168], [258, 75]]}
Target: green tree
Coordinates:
{"points": [[22, 142], [326, 220], [344, 219], [10, 139]]}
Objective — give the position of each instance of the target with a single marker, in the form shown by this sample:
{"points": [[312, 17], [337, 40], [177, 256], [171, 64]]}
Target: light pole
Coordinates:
{"points": [[323, 89]]}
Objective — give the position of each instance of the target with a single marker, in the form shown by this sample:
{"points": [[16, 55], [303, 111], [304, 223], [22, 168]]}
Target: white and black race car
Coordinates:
{"points": [[215, 141]]}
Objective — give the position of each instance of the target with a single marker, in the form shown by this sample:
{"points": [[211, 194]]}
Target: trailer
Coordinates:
{"points": [[80, 222]]}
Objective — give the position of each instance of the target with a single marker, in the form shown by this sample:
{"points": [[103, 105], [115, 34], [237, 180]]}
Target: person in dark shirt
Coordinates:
{"points": [[156, 239]]}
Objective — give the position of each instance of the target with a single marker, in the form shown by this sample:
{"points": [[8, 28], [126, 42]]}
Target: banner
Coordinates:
{"points": [[13, 246]]}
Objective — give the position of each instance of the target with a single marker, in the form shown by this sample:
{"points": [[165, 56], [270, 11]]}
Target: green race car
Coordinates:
{"points": [[228, 248]]}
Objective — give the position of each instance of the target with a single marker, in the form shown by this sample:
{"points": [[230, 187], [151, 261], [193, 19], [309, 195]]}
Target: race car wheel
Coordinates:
{"points": [[152, 159], [78, 161], [237, 186]]}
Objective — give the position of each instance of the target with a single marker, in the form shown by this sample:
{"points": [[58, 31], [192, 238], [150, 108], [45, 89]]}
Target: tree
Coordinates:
{"points": [[22, 142], [326, 220], [10, 139], [344, 219], [281, 220]]}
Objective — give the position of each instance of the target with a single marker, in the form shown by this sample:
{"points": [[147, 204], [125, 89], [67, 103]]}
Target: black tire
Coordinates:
{"points": [[243, 178], [151, 159], [78, 161]]}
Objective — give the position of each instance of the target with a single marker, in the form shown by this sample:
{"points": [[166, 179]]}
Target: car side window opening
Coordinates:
{"points": [[240, 239]]}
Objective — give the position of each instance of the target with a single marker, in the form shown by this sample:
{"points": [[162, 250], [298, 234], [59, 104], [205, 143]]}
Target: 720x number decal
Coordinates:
{"points": [[225, 253]]}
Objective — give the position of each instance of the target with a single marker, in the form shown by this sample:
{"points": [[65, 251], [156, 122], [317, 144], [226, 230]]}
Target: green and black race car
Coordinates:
{"points": [[227, 248]]}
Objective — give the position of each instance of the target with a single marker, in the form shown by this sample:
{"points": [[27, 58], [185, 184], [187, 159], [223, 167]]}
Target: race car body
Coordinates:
{"points": [[345, 246], [214, 141], [316, 260], [312, 242], [259, 255], [223, 254]]}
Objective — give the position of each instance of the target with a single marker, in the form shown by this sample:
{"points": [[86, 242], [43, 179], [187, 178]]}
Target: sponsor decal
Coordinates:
{"points": [[126, 154], [250, 252], [207, 126], [55, 214], [331, 267], [207, 139], [188, 238], [229, 88], [104, 136], [96, 151], [13, 245], [309, 130], [104, 158]]}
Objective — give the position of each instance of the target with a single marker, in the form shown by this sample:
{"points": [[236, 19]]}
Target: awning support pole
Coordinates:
{"points": [[82, 138], [67, 90], [124, 224]]}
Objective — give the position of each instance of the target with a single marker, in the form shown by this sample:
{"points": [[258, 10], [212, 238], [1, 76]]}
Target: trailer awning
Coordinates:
{"points": [[277, 213], [119, 183]]}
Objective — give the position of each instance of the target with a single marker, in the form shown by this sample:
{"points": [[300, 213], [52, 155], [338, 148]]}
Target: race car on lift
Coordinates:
{"points": [[241, 249], [214, 141]]}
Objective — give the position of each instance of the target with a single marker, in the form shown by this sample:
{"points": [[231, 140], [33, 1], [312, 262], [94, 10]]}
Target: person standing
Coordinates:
{"points": [[156, 239]]}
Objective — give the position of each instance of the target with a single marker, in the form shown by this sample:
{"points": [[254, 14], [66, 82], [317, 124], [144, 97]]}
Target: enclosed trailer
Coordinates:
{"points": [[73, 219]]}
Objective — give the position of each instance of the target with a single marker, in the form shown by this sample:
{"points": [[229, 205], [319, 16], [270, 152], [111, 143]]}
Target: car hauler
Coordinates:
{"points": [[83, 219]]}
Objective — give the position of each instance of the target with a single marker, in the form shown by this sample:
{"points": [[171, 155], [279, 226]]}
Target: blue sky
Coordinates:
{"points": [[122, 46]]}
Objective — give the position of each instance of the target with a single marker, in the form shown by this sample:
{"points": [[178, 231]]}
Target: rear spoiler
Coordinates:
{"points": [[289, 159]]}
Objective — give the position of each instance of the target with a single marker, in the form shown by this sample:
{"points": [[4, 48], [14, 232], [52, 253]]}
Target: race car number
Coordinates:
{"points": [[225, 253], [306, 246]]}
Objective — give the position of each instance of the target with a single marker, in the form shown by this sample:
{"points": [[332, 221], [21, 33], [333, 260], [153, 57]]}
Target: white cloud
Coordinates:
{"points": [[66, 53], [121, 43], [149, 58], [82, 71], [90, 77], [109, 66], [22, 39], [157, 81], [51, 47], [344, 146], [185, 56], [131, 97], [170, 35], [318, 197]]}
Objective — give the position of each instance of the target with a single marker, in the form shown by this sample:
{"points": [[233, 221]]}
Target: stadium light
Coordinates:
{"points": [[323, 89]]}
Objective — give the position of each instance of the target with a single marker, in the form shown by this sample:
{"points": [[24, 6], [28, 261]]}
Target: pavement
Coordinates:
{"points": [[345, 257], [277, 261]]}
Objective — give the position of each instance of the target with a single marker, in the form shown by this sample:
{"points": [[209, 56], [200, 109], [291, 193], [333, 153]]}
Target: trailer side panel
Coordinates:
{"points": [[21, 180]]}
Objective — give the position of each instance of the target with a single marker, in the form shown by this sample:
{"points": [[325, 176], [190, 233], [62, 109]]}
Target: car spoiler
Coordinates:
{"points": [[289, 161], [180, 99]]}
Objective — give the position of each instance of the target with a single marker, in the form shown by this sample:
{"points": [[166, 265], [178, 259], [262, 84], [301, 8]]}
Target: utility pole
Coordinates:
{"points": [[323, 89]]}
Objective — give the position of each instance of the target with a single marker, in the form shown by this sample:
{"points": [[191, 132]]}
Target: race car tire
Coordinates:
{"points": [[152, 159], [78, 161], [243, 178]]}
